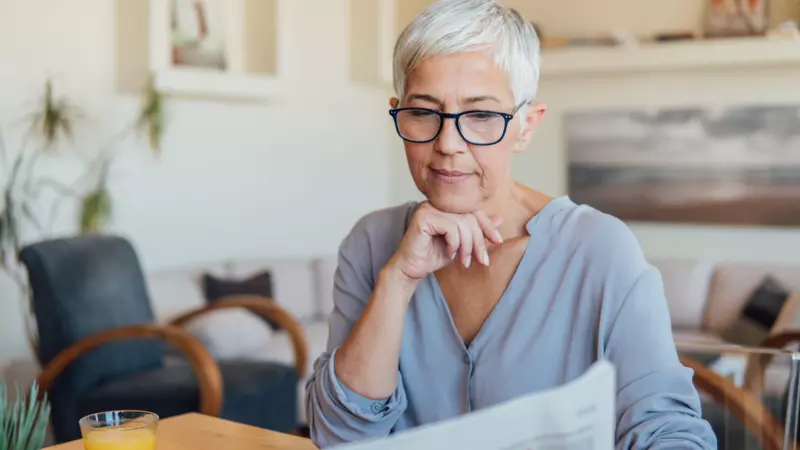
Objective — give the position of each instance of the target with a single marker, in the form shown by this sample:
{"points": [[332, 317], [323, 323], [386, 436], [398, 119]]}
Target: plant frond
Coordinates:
{"points": [[23, 423], [151, 116], [55, 117]]}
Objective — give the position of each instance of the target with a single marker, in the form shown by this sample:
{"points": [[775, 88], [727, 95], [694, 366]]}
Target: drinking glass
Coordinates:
{"points": [[119, 430]]}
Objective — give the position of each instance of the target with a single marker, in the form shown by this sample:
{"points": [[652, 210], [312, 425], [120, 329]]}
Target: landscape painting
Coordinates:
{"points": [[733, 165]]}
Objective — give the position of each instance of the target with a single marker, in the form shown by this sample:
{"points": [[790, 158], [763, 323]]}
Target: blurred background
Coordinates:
{"points": [[230, 139]]}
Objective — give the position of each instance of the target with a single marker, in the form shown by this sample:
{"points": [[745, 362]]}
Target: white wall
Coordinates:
{"points": [[282, 179]]}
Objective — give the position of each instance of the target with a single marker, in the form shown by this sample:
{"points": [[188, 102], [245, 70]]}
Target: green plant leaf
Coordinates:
{"points": [[54, 118], [23, 423], [151, 116], [95, 210]]}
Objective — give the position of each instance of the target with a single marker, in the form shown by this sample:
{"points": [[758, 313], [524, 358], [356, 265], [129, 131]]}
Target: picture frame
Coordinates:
{"points": [[197, 33], [734, 165], [735, 18], [219, 48]]}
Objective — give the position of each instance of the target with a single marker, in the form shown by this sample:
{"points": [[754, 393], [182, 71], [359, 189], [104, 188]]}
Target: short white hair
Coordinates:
{"points": [[455, 26]]}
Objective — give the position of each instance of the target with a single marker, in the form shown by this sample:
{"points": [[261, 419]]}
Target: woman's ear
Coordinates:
{"points": [[533, 117]]}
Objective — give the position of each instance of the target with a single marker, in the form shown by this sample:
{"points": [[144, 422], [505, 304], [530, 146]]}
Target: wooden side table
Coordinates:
{"points": [[199, 432]]}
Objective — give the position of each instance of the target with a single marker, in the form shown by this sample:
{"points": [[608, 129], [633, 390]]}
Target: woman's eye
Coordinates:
{"points": [[482, 116], [420, 113]]}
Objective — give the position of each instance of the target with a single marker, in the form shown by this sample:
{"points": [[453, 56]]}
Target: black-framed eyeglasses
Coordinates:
{"points": [[477, 127]]}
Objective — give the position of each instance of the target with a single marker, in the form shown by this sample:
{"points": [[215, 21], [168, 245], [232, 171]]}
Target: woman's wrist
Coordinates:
{"points": [[395, 281]]}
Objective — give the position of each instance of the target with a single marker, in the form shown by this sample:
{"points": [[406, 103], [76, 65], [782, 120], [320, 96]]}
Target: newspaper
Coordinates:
{"points": [[576, 416]]}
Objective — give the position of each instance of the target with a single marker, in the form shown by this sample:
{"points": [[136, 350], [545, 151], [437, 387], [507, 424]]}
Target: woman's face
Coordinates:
{"points": [[454, 175]]}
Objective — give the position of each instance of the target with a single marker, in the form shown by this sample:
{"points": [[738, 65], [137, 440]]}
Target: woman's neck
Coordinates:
{"points": [[517, 205]]}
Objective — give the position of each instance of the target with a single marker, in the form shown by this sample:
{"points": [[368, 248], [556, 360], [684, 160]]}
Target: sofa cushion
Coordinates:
{"points": [[260, 284], [759, 314], [733, 284], [686, 285], [324, 272], [176, 291], [292, 283], [697, 337], [234, 333]]}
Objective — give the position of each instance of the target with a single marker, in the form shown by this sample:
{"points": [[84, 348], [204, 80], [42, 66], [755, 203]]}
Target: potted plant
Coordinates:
{"points": [[50, 132], [24, 421]]}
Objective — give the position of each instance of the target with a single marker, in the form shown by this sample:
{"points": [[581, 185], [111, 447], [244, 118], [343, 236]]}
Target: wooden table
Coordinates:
{"points": [[199, 432]]}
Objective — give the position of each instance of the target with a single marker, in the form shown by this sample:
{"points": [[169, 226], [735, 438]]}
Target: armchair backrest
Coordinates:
{"points": [[83, 285]]}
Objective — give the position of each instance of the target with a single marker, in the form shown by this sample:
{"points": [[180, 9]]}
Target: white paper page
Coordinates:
{"points": [[577, 416]]}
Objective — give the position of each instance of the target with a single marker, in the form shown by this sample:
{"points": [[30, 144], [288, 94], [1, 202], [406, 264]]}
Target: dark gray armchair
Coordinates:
{"points": [[101, 349]]}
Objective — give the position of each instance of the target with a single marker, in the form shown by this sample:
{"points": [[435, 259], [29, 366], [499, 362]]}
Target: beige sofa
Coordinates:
{"points": [[706, 297], [301, 286]]}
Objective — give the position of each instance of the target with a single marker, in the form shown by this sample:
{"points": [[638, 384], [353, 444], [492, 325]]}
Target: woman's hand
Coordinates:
{"points": [[435, 239]]}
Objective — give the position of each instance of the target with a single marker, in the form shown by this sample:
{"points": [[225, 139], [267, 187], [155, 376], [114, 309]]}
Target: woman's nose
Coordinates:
{"points": [[450, 141]]}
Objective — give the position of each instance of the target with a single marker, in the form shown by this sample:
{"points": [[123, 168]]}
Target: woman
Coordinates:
{"points": [[489, 289]]}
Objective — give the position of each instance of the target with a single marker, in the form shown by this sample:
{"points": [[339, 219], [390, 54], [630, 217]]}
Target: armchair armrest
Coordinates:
{"points": [[757, 364], [209, 376], [265, 307], [744, 405]]}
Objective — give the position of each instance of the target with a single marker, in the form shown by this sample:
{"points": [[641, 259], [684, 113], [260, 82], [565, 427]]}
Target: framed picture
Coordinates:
{"points": [[729, 18], [736, 165], [224, 49], [198, 33]]}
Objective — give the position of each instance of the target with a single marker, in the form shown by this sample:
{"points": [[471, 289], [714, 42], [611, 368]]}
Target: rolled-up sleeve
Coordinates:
{"points": [[336, 414], [341, 415], [658, 406]]}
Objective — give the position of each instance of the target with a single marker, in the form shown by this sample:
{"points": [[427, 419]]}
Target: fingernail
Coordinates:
{"points": [[468, 261], [498, 236], [453, 256], [485, 258]]}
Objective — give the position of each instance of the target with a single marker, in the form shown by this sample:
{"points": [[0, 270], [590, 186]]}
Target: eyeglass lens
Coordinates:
{"points": [[476, 127]]}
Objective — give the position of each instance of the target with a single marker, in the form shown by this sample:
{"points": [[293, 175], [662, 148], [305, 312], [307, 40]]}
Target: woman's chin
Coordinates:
{"points": [[453, 205]]}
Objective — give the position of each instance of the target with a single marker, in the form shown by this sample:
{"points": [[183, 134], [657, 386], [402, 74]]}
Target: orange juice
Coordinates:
{"points": [[120, 438]]}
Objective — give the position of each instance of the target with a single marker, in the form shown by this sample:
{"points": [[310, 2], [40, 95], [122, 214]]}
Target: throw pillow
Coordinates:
{"points": [[789, 320], [760, 314], [216, 288], [231, 334]]}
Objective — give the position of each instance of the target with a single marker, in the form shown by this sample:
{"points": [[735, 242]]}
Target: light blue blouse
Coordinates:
{"points": [[583, 291]]}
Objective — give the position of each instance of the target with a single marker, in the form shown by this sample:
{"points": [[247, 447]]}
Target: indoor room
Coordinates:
{"points": [[208, 202]]}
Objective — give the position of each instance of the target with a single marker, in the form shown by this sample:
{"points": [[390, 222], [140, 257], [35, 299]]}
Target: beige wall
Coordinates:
{"points": [[581, 17]]}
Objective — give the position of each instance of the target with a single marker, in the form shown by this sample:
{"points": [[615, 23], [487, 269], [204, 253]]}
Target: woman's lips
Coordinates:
{"points": [[450, 176]]}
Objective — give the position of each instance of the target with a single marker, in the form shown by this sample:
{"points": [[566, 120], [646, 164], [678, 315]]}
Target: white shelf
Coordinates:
{"points": [[674, 56], [375, 24], [200, 83]]}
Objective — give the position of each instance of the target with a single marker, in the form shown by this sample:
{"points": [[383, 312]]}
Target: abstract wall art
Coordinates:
{"points": [[735, 165]]}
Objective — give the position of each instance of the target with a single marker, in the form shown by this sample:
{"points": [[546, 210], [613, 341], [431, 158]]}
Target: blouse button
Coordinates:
{"points": [[377, 407], [467, 361]]}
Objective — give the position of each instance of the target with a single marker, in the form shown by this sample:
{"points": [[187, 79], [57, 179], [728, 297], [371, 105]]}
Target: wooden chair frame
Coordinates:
{"points": [[757, 364], [746, 406], [208, 372], [265, 307], [209, 376]]}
